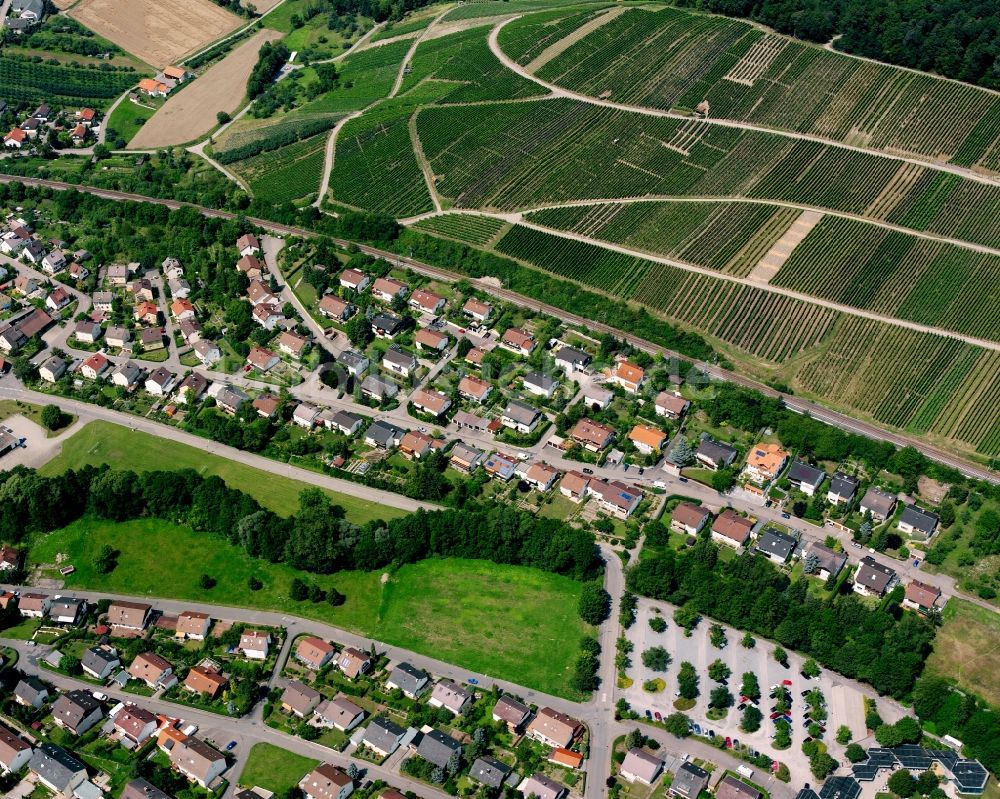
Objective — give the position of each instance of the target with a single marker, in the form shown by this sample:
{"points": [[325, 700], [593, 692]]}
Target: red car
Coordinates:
{"points": [[657, 715], [776, 715], [729, 742], [786, 682]]}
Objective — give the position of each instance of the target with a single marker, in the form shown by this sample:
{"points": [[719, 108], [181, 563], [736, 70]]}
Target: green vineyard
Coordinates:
{"points": [[287, 173], [365, 77], [676, 59], [475, 230], [61, 86]]}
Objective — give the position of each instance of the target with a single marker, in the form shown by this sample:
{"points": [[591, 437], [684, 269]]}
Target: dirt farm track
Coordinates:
{"points": [[158, 33], [191, 112]]}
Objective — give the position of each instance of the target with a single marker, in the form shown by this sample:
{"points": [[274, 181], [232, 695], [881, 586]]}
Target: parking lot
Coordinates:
{"points": [[844, 698]]}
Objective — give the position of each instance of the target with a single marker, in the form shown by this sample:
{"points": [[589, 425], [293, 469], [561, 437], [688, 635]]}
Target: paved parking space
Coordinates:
{"points": [[37, 450], [844, 698]]}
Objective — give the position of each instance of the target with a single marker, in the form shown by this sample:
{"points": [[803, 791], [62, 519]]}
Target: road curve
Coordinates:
{"points": [[828, 415]]}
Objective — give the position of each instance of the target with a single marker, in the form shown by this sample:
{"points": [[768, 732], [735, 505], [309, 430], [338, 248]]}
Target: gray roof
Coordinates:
{"points": [[803, 473], [66, 606], [408, 678], [383, 734], [141, 789], [231, 397], [774, 542], [573, 355], [843, 485], [827, 558], [387, 322], [873, 575], [98, 658], [55, 765], [521, 412], [689, 780], [383, 433], [29, 688], [919, 519], [378, 386], [436, 747], [489, 771], [878, 501], [540, 380], [75, 706], [399, 358], [346, 419], [716, 451], [352, 359], [37, 7]]}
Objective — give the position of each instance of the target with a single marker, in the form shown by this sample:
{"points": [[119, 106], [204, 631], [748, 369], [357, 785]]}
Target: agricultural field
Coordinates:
{"points": [[476, 230], [526, 38], [930, 282], [675, 59], [238, 143], [496, 8], [729, 237], [414, 22], [60, 85], [159, 34], [765, 325], [284, 174], [191, 112]]}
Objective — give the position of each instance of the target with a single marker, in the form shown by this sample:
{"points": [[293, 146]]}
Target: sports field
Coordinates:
{"points": [[505, 621], [103, 442]]}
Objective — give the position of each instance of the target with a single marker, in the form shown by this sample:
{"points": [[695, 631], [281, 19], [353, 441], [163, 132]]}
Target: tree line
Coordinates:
{"points": [[318, 538], [884, 647]]}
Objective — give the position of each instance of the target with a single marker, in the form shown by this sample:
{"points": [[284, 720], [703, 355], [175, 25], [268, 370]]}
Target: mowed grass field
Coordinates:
{"points": [[103, 442], [505, 621], [274, 768], [967, 649]]}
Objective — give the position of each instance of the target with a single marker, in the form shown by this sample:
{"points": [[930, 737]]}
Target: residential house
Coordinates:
{"points": [[57, 770], [540, 385], [124, 615], [142, 789], [332, 307], [354, 279], [142, 289], [433, 403], [58, 299], [153, 670], [408, 679], [208, 352], [511, 712], [430, 340], [179, 288], [765, 462], [31, 692], [151, 338], [292, 344], [154, 88], [34, 251], [172, 269], [917, 521], [806, 478], [538, 475], [103, 301], [387, 289], [205, 680], [426, 301], [314, 652], [437, 748], [647, 440], [67, 610], [127, 375], [714, 454], [191, 388], [257, 293], [299, 699], [689, 781], [591, 435], [255, 644], [52, 369], [878, 503], [118, 337], [250, 266], [469, 421], [117, 275], [542, 787], [574, 486], [326, 782], [197, 761], [354, 362], [399, 362], [571, 359], [640, 766], [520, 417], [842, 489], [383, 736], [518, 341], [921, 597], [268, 315], [382, 434], [182, 309], [262, 359], [451, 696], [829, 562], [614, 497], [160, 381], [54, 263], [489, 772], [689, 519], [34, 605], [474, 357], [464, 458], [474, 389], [25, 285], [671, 405], [352, 662], [10, 559], [340, 713], [16, 139], [345, 422], [305, 415], [874, 579], [147, 313], [87, 332], [627, 375], [248, 244], [731, 788], [776, 545], [503, 467], [135, 724], [193, 624], [414, 445], [14, 753], [477, 310], [78, 272], [553, 728], [387, 325], [76, 711], [597, 398]]}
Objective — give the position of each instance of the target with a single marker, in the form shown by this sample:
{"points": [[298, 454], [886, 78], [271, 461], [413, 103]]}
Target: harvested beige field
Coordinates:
{"points": [[191, 113], [158, 33]]}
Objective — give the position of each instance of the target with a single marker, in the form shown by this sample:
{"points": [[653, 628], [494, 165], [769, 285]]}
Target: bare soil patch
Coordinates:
{"points": [[158, 33], [191, 113]]}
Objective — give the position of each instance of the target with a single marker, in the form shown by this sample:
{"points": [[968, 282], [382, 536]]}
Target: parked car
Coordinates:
{"points": [[786, 515], [729, 742], [683, 479], [587, 471], [649, 715]]}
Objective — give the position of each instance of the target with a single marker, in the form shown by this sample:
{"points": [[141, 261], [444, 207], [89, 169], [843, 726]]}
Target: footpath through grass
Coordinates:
{"points": [[510, 622], [103, 442], [274, 768], [967, 649]]}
